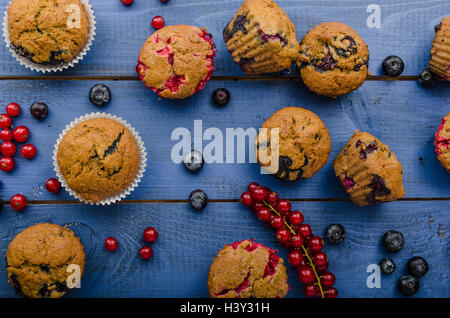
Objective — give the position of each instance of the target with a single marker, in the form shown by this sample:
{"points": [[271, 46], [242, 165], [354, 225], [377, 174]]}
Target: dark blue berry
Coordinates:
{"points": [[39, 110], [426, 78], [335, 233], [198, 199], [393, 66], [417, 266], [393, 241], [387, 265], [408, 285], [100, 95], [193, 160], [221, 96]]}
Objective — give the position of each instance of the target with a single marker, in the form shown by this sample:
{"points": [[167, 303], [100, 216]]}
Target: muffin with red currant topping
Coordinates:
{"points": [[293, 143], [247, 269], [369, 171], [440, 51], [442, 142], [333, 59], [177, 61], [261, 38], [38, 260]]}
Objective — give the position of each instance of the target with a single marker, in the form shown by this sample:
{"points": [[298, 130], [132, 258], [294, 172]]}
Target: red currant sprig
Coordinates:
{"points": [[305, 254]]}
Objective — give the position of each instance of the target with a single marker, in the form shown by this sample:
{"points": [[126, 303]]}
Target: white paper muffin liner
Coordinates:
{"points": [[28, 63], [142, 158]]}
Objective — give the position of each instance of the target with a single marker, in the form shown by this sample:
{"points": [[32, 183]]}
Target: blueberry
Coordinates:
{"points": [[426, 78], [335, 233], [393, 66], [417, 266], [408, 285], [193, 160], [100, 95], [221, 96], [198, 199], [387, 265], [39, 110], [393, 241]]}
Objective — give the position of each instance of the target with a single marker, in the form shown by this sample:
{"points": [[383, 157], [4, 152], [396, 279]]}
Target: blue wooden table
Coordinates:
{"points": [[399, 112]]}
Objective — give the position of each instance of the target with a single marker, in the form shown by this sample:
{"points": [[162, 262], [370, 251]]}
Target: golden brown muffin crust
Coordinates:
{"points": [[98, 158], [304, 143], [333, 59], [369, 171], [442, 142], [440, 51], [39, 29], [38, 257]]}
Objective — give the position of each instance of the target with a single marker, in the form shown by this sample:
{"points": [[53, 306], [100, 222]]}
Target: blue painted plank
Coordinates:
{"points": [[401, 114], [407, 30], [188, 241]]}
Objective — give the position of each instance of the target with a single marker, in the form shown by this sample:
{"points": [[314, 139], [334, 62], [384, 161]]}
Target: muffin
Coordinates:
{"points": [[247, 269], [98, 158], [48, 32], [440, 51], [369, 171], [261, 38], [333, 59], [442, 142], [302, 148], [177, 61], [37, 260]]}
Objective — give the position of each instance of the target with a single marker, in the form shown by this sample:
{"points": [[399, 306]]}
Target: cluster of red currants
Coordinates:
{"points": [[306, 254], [146, 252]]}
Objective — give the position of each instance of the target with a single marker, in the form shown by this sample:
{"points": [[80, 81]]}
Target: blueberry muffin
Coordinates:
{"points": [[303, 144], [442, 142], [247, 269], [98, 158], [440, 51], [369, 171], [261, 38], [177, 61], [48, 31], [38, 258], [333, 59]]}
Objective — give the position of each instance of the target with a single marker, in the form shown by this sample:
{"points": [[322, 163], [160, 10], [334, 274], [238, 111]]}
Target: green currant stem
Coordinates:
{"points": [[303, 247]]}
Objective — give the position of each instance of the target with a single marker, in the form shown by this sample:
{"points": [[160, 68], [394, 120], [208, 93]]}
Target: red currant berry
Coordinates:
{"points": [[150, 234], [259, 194], [331, 292], [164, 1], [21, 133], [5, 121], [295, 258], [7, 164], [146, 252], [158, 22], [311, 290], [256, 206], [296, 240], [6, 134], [246, 199], [315, 244], [264, 214], [305, 230], [272, 198], [111, 244], [306, 275], [284, 206], [13, 109], [252, 186], [18, 202], [322, 268], [8, 149], [320, 258], [277, 222], [327, 279], [52, 185], [296, 218], [126, 2], [283, 235], [28, 151]]}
